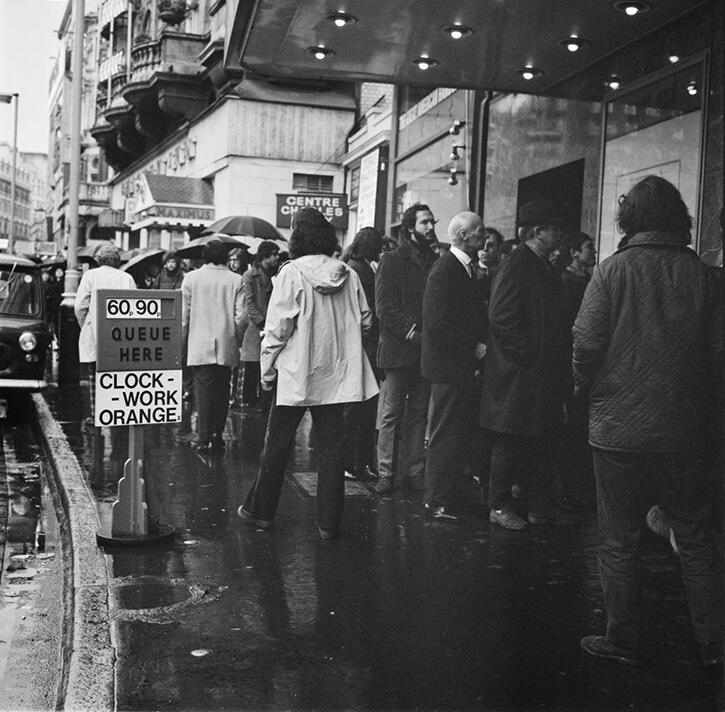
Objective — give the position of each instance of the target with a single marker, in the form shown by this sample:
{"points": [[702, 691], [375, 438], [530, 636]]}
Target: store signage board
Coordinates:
{"points": [[332, 205], [138, 376]]}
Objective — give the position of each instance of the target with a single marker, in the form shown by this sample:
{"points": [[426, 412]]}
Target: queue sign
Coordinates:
{"points": [[138, 377]]}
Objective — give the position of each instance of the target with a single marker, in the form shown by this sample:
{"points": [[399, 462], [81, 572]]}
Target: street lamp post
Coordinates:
{"points": [[7, 98], [68, 366]]}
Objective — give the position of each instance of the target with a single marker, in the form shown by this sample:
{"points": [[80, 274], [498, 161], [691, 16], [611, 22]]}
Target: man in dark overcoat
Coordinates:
{"points": [[524, 375], [452, 329], [403, 405]]}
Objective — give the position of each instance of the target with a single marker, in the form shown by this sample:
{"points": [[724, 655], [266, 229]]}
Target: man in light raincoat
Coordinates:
{"points": [[312, 353]]}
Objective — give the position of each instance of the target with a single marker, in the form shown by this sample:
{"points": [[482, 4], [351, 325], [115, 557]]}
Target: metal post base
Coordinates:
{"points": [[162, 534]]}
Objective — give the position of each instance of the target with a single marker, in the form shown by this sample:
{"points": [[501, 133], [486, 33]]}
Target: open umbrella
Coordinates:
{"points": [[244, 226], [139, 265], [192, 250], [254, 242]]}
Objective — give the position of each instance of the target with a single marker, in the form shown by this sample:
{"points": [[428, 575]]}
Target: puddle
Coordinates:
{"points": [[150, 594]]}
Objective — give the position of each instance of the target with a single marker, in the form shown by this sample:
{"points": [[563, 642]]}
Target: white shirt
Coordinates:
{"points": [[463, 258]]}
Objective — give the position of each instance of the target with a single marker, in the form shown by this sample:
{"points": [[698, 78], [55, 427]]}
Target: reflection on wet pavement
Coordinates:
{"points": [[397, 614]]}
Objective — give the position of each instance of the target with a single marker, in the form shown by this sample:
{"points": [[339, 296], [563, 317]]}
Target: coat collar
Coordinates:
{"points": [[655, 238]]}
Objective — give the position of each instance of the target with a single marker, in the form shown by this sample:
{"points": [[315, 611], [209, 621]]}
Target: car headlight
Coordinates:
{"points": [[27, 341]]}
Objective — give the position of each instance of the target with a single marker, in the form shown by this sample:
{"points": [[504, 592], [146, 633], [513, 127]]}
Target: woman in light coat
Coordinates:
{"points": [[313, 352]]}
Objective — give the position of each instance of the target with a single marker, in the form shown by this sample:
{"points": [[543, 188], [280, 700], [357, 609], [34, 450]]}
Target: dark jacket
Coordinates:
{"points": [[399, 285], [367, 280], [648, 347], [169, 280], [525, 366], [452, 322], [574, 287], [256, 286]]}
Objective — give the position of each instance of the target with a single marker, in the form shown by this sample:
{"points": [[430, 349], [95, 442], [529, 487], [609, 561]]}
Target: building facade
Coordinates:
{"points": [[94, 193], [31, 188], [189, 143], [495, 106]]}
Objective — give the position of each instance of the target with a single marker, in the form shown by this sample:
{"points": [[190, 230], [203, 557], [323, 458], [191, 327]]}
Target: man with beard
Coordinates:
{"points": [[404, 395], [171, 276]]}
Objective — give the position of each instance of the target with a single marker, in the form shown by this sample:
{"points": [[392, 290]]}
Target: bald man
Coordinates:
{"points": [[452, 335]]}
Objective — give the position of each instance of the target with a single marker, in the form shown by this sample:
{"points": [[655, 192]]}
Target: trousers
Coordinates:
{"points": [[212, 399], [681, 482], [448, 443], [402, 416], [262, 499]]}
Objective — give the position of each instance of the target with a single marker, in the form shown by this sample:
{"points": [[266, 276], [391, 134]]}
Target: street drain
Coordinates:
{"points": [[151, 595]]}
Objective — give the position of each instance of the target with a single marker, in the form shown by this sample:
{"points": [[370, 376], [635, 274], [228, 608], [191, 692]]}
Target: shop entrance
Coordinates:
{"points": [[563, 184]]}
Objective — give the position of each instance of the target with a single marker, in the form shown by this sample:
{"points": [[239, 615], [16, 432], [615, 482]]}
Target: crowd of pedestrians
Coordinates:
{"points": [[555, 385]]}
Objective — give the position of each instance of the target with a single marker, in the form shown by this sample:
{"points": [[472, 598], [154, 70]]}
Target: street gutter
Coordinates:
{"points": [[90, 660]]}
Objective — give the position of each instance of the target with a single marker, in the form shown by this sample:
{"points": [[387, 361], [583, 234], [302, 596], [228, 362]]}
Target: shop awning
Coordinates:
{"points": [[379, 40], [170, 202]]}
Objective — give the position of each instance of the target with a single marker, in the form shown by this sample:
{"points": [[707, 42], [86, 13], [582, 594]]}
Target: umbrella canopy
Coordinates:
{"points": [[192, 250], [86, 253], [139, 265], [254, 242], [244, 226]]}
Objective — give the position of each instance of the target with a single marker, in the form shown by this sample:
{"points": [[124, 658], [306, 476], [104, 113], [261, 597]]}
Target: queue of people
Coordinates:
{"points": [[555, 385]]}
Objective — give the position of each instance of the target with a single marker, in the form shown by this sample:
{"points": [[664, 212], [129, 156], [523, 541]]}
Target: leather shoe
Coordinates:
{"points": [[506, 518], [247, 518], [202, 446], [440, 514], [600, 647]]}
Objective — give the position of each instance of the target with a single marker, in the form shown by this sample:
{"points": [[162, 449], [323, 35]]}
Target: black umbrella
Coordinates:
{"points": [[138, 265], [192, 250], [244, 226]]}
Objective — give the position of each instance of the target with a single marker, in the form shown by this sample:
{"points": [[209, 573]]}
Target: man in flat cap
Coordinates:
{"points": [[524, 377]]}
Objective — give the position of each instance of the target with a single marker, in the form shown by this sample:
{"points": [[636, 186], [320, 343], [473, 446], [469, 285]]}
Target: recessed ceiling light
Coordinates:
{"points": [[573, 43], [424, 62], [529, 72], [614, 82], [673, 57], [457, 30], [341, 18], [320, 52], [692, 88], [631, 7]]}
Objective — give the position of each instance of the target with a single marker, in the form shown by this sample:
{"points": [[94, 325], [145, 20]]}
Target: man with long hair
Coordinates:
{"points": [[403, 410], [648, 354]]}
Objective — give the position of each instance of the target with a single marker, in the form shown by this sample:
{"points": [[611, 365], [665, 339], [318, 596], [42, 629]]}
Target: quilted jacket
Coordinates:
{"points": [[648, 347]]}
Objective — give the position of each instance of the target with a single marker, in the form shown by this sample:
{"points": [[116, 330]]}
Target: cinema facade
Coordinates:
{"points": [[498, 103]]}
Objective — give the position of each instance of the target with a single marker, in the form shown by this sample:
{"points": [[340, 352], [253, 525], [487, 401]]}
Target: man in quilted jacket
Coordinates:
{"points": [[648, 350]]}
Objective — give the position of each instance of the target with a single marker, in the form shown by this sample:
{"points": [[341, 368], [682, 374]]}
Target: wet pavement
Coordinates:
{"points": [[397, 614], [31, 577]]}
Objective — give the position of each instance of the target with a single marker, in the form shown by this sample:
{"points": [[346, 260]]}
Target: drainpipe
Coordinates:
{"points": [[482, 140]]}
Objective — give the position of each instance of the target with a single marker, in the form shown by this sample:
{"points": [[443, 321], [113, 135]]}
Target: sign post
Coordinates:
{"points": [[138, 382]]}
